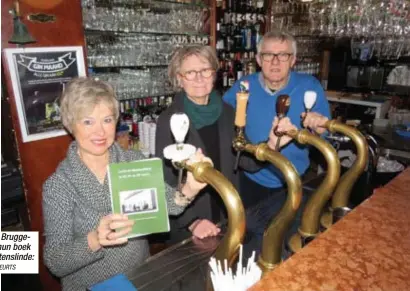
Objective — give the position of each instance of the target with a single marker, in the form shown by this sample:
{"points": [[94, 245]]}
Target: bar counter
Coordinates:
{"points": [[369, 249]]}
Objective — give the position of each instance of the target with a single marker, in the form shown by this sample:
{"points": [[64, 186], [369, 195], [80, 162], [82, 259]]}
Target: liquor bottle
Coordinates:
{"points": [[238, 66], [248, 37], [245, 60], [222, 28], [220, 46], [259, 7], [122, 109], [251, 66], [238, 38], [230, 5], [243, 6], [231, 75], [224, 76]]}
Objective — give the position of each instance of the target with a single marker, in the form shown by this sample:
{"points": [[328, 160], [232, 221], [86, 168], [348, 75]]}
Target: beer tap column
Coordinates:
{"points": [[342, 192], [310, 223], [340, 199], [274, 235], [204, 172]]}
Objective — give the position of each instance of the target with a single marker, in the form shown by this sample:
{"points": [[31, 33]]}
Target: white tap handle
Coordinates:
{"points": [[179, 126], [179, 151], [310, 99]]}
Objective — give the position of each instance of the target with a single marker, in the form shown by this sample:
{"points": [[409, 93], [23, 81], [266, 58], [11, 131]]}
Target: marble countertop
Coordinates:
{"points": [[368, 250]]}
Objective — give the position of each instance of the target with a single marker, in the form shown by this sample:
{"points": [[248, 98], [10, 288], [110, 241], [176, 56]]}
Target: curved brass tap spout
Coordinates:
{"points": [[275, 233], [229, 246], [341, 195], [310, 224]]}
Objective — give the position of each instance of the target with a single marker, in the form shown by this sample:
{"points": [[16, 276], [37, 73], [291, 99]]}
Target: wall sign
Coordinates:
{"points": [[38, 77], [193, 39], [41, 18]]}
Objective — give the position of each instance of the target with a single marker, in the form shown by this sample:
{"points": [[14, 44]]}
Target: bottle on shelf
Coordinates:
{"points": [[220, 43], [238, 66], [231, 75], [240, 27]]}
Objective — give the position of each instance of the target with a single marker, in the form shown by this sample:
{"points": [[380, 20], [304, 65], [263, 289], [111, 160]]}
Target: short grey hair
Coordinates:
{"points": [[206, 52], [281, 36], [80, 97]]}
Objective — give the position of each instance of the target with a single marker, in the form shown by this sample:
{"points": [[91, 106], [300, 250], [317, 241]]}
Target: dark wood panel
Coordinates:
{"points": [[39, 159]]}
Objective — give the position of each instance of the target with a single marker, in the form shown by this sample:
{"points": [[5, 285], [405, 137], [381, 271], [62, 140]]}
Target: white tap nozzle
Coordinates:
{"points": [[310, 99]]}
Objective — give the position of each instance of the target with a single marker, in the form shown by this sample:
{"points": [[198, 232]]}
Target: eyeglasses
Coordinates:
{"points": [[282, 57], [191, 75]]}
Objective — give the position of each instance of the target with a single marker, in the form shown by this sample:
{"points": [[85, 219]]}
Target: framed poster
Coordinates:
{"points": [[38, 77]]}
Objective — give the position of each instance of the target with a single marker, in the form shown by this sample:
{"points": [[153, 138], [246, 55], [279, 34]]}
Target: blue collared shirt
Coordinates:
{"points": [[261, 111]]}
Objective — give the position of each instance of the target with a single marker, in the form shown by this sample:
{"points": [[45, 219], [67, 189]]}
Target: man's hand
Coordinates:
{"points": [[203, 228], [314, 121], [284, 125]]}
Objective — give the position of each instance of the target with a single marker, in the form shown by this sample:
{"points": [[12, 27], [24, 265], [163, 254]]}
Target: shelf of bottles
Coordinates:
{"points": [[240, 25], [294, 18], [137, 124]]}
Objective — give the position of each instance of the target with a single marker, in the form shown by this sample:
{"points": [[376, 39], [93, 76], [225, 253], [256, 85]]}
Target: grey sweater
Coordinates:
{"points": [[73, 203]]}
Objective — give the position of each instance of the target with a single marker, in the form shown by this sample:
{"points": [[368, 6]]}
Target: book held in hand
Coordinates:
{"points": [[138, 190]]}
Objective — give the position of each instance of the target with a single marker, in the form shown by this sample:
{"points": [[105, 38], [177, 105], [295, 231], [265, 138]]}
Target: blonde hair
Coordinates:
{"points": [[206, 52], [278, 35], [80, 97]]}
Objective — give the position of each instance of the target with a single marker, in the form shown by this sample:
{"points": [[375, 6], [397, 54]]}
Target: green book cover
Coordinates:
{"points": [[138, 190]]}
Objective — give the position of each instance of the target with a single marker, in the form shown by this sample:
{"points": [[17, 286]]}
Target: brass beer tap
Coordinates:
{"points": [[343, 190], [204, 172], [274, 236], [341, 195], [310, 224]]}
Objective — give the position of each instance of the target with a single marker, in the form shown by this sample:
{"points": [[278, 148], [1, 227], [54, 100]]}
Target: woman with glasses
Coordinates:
{"points": [[192, 70]]}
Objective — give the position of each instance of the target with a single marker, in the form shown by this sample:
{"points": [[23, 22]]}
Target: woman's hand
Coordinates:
{"points": [[192, 186], [284, 125], [105, 234], [314, 121], [203, 228]]}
